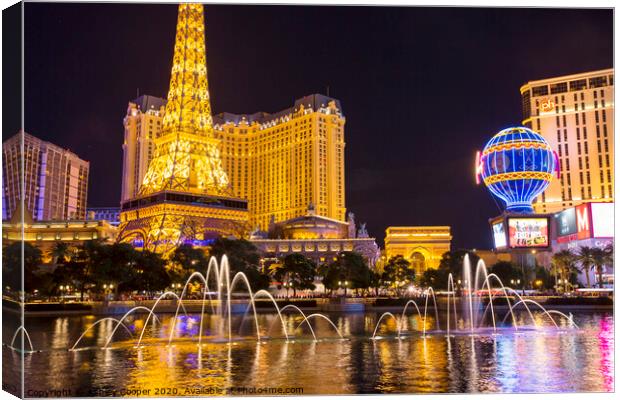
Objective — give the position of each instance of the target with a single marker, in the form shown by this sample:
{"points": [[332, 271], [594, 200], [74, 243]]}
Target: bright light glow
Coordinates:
{"points": [[602, 219], [499, 234]]}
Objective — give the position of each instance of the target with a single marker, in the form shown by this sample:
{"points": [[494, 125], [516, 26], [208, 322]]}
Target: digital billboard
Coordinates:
{"points": [[566, 222], [528, 232], [499, 234], [602, 220]]}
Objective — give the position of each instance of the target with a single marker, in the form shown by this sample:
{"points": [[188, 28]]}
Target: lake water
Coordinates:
{"points": [[530, 360]]}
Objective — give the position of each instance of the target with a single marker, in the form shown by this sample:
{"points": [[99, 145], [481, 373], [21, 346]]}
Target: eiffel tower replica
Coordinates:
{"points": [[185, 196]]}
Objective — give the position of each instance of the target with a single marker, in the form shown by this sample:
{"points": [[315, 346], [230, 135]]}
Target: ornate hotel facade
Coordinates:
{"points": [[575, 114], [280, 163]]}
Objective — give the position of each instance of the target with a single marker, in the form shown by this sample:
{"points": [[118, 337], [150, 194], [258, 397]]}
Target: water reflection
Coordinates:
{"points": [[544, 360]]}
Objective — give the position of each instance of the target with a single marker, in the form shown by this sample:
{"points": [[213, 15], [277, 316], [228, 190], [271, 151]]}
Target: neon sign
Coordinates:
{"points": [[547, 105]]}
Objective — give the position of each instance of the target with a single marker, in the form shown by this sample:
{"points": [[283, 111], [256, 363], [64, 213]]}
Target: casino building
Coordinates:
{"points": [[280, 162], [575, 114]]}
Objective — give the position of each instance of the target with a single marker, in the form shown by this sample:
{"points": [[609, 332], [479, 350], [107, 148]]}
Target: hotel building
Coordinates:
{"points": [[575, 114], [56, 180], [142, 124], [281, 163]]}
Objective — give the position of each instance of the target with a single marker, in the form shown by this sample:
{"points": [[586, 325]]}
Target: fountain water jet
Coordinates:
{"points": [[97, 322], [25, 334]]}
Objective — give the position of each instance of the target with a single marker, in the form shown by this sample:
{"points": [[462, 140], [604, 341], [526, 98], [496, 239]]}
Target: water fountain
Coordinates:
{"points": [[217, 288], [471, 304]]}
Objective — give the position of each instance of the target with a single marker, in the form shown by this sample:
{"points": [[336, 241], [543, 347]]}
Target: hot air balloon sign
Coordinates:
{"points": [[516, 165]]}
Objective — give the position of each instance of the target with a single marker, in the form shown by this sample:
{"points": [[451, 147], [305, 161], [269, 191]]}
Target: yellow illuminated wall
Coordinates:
{"points": [[575, 114], [282, 163], [423, 246]]}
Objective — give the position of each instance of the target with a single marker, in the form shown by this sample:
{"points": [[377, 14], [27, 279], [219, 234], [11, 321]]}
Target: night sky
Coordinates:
{"points": [[422, 88]]}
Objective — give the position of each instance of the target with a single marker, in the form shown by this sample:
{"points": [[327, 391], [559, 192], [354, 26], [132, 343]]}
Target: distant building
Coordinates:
{"points": [[56, 180], [575, 114], [423, 246], [110, 214], [45, 234], [279, 162], [318, 238], [143, 123]]}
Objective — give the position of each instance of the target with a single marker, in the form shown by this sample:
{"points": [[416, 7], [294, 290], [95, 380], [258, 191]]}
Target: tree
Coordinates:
{"points": [[506, 271], [375, 281], [452, 262], [13, 270], [349, 269], [297, 271], [543, 279], [433, 278], [563, 265], [61, 252], [185, 260], [398, 273], [243, 256], [599, 260], [586, 259], [150, 274]]}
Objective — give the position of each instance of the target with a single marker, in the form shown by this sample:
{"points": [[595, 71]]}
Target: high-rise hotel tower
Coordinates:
{"points": [[142, 124], [575, 113], [55, 179], [281, 162], [284, 162]]}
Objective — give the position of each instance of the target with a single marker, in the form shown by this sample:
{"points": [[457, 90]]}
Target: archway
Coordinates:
{"points": [[418, 263]]}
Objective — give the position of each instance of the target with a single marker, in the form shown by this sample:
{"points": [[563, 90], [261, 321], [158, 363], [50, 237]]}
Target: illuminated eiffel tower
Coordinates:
{"points": [[185, 194]]}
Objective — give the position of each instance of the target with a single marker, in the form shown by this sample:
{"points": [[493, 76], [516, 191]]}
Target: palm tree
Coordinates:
{"points": [[599, 259], [61, 252], [563, 263], [586, 259]]}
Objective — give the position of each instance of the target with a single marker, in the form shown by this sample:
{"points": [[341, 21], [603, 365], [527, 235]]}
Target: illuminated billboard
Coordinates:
{"points": [[602, 220], [566, 222], [528, 232], [499, 234], [584, 229]]}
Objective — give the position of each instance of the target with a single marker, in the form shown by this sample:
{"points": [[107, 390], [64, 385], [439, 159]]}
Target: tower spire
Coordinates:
{"points": [[186, 157], [184, 194], [188, 108]]}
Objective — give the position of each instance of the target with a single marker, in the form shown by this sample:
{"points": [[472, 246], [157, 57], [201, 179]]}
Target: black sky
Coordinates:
{"points": [[421, 88]]}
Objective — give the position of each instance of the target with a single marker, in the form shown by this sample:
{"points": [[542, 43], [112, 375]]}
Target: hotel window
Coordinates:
{"points": [[578, 134], [565, 135], [577, 85], [540, 91], [598, 81]]}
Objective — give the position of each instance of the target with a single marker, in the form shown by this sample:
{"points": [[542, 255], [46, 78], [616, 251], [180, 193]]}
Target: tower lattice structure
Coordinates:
{"points": [[185, 193]]}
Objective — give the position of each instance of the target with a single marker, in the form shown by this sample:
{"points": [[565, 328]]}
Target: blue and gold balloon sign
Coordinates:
{"points": [[517, 165]]}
